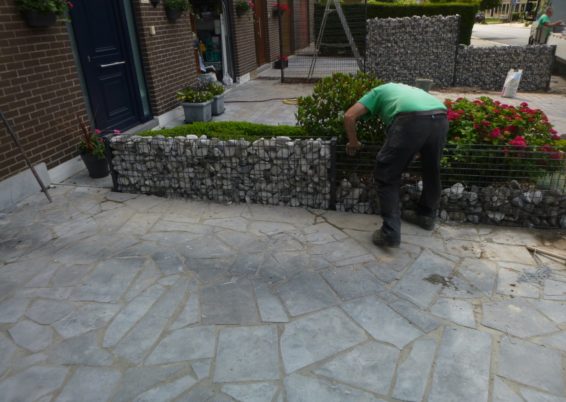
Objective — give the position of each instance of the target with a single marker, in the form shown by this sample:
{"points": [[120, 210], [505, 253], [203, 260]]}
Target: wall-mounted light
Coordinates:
{"points": [[154, 3]]}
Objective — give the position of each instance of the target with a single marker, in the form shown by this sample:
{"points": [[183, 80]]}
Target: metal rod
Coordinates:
{"points": [[17, 142]]}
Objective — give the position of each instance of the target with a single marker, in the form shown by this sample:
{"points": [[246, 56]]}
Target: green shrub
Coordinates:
{"points": [[58, 7], [501, 141], [322, 113], [225, 130], [191, 95]]}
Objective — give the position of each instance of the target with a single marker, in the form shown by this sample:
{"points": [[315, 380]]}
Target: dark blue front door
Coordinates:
{"points": [[106, 59]]}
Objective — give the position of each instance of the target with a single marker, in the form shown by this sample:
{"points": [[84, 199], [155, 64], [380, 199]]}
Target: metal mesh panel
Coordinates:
{"points": [[472, 167], [279, 171], [318, 46]]}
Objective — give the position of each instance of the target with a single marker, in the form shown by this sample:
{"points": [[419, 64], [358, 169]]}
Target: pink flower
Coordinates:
{"points": [[524, 104], [555, 137], [98, 131], [553, 131], [495, 133], [518, 142], [117, 132]]}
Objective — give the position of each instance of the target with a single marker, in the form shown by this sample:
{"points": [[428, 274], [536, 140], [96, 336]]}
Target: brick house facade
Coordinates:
{"points": [[43, 91]]}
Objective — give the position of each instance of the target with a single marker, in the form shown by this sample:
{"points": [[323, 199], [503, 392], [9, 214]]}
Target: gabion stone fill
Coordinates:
{"points": [[509, 204], [403, 49], [278, 171], [487, 67]]}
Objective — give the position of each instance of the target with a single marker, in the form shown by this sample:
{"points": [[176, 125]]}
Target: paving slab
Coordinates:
{"points": [[90, 384], [305, 293], [462, 367], [413, 373], [317, 336], [247, 354], [370, 366], [33, 383], [381, 322], [543, 371], [184, 344], [516, 318], [195, 301]]}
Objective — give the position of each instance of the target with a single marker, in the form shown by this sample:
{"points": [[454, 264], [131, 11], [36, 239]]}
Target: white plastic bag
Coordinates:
{"points": [[511, 83]]}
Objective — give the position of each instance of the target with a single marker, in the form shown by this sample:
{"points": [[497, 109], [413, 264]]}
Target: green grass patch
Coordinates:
{"points": [[229, 130]]}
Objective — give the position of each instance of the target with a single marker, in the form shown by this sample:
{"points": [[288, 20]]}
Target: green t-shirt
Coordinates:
{"points": [[543, 19], [389, 99]]}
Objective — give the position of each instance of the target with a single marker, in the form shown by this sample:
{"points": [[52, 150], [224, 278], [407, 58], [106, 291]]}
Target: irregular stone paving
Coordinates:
{"points": [[119, 297]]}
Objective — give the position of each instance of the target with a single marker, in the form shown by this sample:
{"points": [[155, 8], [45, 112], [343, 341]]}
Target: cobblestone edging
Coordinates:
{"points": [[404, 49], [278, 171]]}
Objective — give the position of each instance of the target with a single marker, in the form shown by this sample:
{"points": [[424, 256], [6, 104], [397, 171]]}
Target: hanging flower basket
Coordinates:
{"points": [[279, 10], [243, 6], [36, 19], [173, 15]]}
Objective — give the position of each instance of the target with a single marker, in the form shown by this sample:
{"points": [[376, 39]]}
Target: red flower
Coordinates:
{"points": [[97, 131], [518, 142], [495, 133], [281, 7], [283, 58], [555, 137]]}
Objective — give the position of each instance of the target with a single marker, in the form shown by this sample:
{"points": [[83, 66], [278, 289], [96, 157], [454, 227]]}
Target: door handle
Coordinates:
{"points": [[117, 63]]}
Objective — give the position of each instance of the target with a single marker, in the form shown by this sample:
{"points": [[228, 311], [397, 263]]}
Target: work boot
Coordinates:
{"points": [[382, 241], [425, 222]]}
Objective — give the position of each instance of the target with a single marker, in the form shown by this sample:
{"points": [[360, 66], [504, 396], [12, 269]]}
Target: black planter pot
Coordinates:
{"points": [[96, 167], [241, 13], [39, 20], [173, 15], [277, 13], [279, 64]]}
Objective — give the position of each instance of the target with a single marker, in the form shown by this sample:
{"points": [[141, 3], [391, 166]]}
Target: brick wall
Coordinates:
{"points": [[40, 92], [244, 42], [168, 56], [273, 32]]}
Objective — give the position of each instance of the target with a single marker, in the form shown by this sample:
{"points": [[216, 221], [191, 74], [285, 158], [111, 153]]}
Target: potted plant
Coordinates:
{"points": [[282, 62], [174, 8], [243, 6], [197, 105], [42, 13], [279, 9], [217, 90], [93, 150]]}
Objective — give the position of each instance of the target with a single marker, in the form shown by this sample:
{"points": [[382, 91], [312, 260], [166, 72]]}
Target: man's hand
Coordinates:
{"points": [[353, 147]]}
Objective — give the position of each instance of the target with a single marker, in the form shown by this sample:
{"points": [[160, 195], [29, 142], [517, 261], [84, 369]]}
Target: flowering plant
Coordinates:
{"points": [[91, 140], [515, 138], [58, 7], [283, 58], [244, 5], [280, 8]]}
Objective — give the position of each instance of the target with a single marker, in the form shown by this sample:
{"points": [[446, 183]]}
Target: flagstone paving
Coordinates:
{"points": [[119, 297]]}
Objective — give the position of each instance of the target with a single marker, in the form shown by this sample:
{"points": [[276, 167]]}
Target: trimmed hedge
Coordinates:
{"points": [[356, 16], [228, 130]]}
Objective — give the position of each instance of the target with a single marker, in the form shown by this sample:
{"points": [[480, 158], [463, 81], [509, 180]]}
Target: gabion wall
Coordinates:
{"points": [[403, 49], [278, 171], [487, 67], [502, 205]]}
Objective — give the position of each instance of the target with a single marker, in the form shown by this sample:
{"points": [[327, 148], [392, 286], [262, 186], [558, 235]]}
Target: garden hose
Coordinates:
{"points": [[287, 101]]}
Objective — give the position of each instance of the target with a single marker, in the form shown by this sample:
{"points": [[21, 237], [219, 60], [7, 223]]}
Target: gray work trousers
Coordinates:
{"points": [[409, 134]]}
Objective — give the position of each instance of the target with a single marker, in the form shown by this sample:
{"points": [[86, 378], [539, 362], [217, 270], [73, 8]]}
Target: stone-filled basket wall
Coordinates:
{"points": [[403, 49], [279, 171], [302, 172]]}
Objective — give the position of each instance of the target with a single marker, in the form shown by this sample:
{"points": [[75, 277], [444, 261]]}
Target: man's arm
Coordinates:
{"points": [[351, 116]]}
